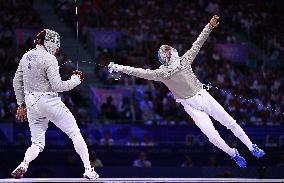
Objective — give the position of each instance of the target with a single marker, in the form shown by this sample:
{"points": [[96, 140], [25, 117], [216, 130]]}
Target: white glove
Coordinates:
{"points": [[76, 79], [114, 67]]}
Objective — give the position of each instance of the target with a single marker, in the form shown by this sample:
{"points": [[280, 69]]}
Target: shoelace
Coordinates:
{"points": [[257, 150]]}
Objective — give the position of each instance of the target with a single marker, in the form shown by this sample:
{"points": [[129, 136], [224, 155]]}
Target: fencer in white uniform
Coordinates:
{"points": [[176, 73], [36, 83]]}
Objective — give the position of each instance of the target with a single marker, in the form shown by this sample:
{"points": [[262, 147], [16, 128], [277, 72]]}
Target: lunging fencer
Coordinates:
{"points": [[36, 83], [176, 73]]}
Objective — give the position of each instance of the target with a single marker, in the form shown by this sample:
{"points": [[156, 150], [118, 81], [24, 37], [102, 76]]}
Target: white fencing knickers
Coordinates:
{"points": [[43, 107], [200, 106]]}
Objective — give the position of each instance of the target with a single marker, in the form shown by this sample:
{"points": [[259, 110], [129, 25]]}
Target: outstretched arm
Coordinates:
{"points": [[149, 74], [190, 55]]}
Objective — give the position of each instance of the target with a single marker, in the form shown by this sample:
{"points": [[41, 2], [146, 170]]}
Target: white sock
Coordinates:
{"points": [[81, 148], [239, 132], [31, 153]]}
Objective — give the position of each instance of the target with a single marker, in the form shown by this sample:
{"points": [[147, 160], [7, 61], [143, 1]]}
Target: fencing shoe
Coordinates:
{"points": [[90, 174], [18, 173], [257, 152], [239, 159]]}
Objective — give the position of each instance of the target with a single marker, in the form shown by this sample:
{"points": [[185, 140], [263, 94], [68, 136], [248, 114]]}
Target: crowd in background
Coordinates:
{"points": [[251, 92], [261, 26], [157, 21], [20, 14], [144, 35], [13, 14]]}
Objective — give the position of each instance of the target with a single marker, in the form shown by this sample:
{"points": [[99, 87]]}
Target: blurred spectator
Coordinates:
{"points": [[270, 141], [106, 140], [142, 161], [213, 7], [170, 110], [188, 162], [147, 107], [281, 140], [95, 162], [280, 162], [147, 141], [190, 140], [126, 109], [133, 141], [108, 109], [202, 140]]}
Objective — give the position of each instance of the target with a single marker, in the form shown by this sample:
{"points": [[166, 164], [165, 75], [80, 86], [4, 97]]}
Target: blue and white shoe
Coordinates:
{"points": [[257, 152], [239, 159]]}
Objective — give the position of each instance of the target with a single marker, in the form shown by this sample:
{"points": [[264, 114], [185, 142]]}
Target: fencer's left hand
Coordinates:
{"points": [[21, 114], [214, 22], [112, 67]]}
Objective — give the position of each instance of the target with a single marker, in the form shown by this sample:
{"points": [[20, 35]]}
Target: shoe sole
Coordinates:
{"points": [[86, 177], [18, 174], [260, 156]]}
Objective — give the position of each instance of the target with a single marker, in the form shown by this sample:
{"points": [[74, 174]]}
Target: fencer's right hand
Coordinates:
{"points": [[21, 114], [80, 74], [214, 22], [112, 67], [77, 77]]}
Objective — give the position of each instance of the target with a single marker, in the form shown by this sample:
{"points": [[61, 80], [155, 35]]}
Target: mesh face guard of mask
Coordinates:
{"points": [[52, 41], [162, 54]]}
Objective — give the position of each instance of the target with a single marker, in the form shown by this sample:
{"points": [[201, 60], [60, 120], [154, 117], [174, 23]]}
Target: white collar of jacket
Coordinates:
{"points": [[175, 64], [173, 67], [174, 61], [170, 70]]}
